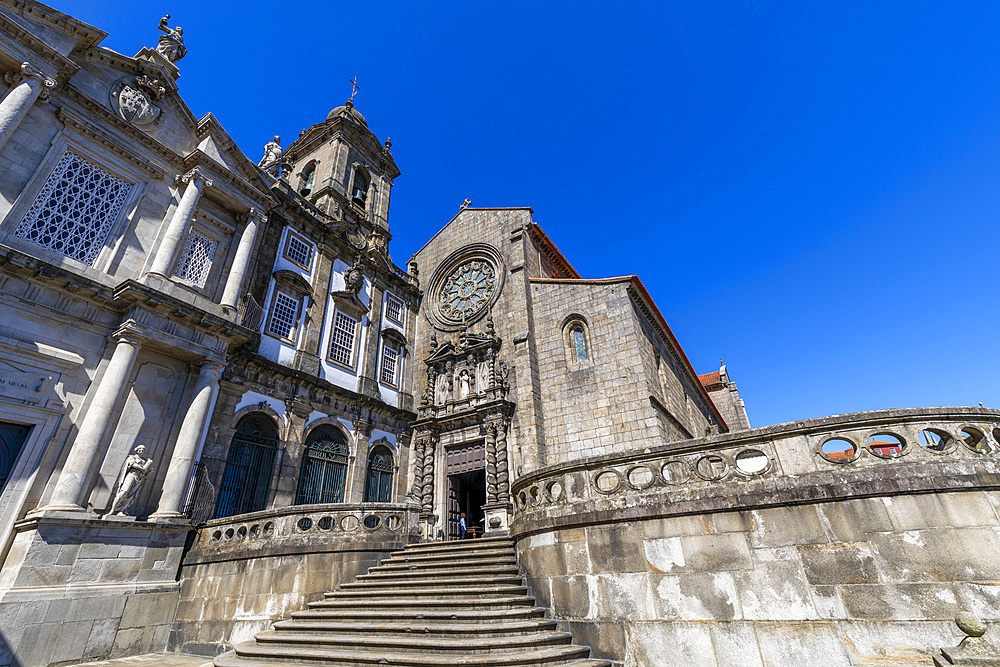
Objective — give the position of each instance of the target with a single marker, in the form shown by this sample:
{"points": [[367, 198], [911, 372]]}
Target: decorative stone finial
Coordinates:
{"points": [[171, 45], [465, 204], [970, 624], [388, 143]]}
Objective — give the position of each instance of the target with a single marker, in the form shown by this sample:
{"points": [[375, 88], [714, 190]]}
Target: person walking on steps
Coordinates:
{"points": [[461, 526]]}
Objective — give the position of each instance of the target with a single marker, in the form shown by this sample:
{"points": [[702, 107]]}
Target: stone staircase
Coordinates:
{"points": [[444, 603]]}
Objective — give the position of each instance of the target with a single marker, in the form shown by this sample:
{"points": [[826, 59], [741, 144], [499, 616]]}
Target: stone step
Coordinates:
{"points": [[419, 643], [446, 564], [254, 653], [442, 616], [405, 583], [427, 604], [469, 559], [407, 572], [417, 627], [456, 547], [376, 594]]}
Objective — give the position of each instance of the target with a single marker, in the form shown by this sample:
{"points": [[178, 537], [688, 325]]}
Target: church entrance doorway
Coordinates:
{"points": [[466, 468], [12, 436]]}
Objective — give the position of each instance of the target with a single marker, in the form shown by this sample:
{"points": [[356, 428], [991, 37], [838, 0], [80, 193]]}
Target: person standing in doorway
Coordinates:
{"points": [[461, 526]]}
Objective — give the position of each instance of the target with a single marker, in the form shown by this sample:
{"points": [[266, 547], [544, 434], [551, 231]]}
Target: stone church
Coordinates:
{"points": [[232, 426]]}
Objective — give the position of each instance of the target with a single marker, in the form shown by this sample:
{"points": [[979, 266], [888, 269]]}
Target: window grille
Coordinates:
{"points": [[75, 209], [324, 467], [390, 361], [342, 345], [196, 258], [579, 344], [249, 466], [378, 484], [394, 309], [284, 316], [298, 251]]}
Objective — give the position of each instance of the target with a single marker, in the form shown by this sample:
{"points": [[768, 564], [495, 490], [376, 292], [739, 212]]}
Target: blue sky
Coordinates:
{"points": [[809, 190]]}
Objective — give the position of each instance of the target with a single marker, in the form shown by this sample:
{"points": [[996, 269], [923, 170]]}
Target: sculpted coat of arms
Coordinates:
{"points": [[133, 99]]}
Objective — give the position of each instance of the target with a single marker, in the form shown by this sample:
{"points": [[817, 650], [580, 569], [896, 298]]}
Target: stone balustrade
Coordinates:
{"points": [[861, 454], [302, 528]]}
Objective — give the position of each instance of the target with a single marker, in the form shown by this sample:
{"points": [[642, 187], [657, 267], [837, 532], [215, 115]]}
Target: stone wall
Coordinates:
{"points": [[244, 573], [698, 554], [75, 590]]}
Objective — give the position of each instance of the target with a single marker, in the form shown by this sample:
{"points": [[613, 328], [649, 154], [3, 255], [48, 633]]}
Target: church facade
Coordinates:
{"points": [[220, 397]]}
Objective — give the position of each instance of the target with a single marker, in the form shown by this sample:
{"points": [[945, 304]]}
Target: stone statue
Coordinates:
{"points": [[463, 385], [171, 45], [271, 162], [135, 469]]}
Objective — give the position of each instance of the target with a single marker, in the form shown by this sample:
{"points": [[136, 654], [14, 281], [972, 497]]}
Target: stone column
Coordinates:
{"points": [[238, 270], [419, 449], [183, 458], [357, 464], [88, 448], [163, 262], [490, 433], [368, 367], [29, 84], [503, 473], [427, 481]]}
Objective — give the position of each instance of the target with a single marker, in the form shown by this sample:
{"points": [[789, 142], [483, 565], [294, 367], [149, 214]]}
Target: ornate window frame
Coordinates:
{"points": [[358, 168], [213, 262], [310, 169], [476, 251], [291, 235], [393, 340], [339, 307], [401, 321], [116, 165]]}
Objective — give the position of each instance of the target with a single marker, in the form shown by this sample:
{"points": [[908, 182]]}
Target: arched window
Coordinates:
{"points": [[378, 483], [307, 179], [576, 340], [579, 344], [359, 191], [324, 467], [247, 478]]}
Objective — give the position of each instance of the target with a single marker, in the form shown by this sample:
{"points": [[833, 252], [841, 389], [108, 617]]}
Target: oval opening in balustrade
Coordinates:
{"points": [[216, 536], [392, 522], [607, 481], [254, 531], [522, 500], [533, 495], [326, 523], [934, 439], [640, 476], [229, 534], [711, 468], [975, 440], [305, 523], [372, 521], [886, 445], [268, 529], [752, 461], [838, 450], [553, 491], [349, 522], [242, 533], [675, 472], [996, 436]]}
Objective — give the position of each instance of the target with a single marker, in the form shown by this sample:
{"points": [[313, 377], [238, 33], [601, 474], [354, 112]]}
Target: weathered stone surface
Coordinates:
{"points": [[850, 563], [735, 645], [815, 643]]}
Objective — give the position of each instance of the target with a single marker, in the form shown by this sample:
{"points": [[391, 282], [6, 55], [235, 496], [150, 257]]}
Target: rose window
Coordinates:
{"points": [[468, 290]]}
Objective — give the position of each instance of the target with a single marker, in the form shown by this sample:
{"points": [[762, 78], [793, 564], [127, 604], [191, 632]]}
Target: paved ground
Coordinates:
{"points": [[154, 660]]}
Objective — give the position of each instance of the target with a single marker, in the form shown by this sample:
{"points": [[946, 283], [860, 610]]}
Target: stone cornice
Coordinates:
{"points": [[63, 66], [86, 34], [80, 123], [255, 362], [242, 193]]}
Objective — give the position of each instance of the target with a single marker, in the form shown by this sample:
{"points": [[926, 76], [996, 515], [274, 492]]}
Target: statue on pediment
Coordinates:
{"points": [[171, 45], [271, 162]]}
